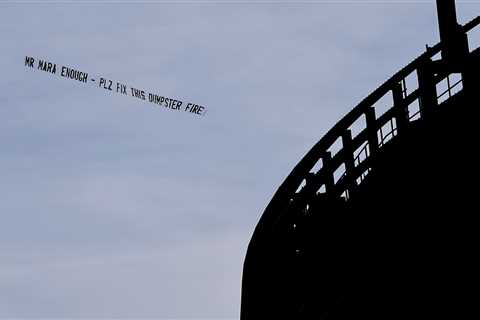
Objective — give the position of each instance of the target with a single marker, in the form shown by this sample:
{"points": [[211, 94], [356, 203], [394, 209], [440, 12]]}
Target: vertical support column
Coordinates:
{"points": [[349, 159], [329, 179], [401, 111], [372, 136], [427, 88], [448, 25], [454, 41], [470, 76]]}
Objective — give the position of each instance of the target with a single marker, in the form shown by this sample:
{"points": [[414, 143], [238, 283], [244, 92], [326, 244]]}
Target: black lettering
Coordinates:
{"points": [[51, 67], [29, 61], [140, 94]]}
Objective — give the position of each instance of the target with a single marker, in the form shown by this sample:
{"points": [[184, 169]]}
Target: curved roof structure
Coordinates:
{"points": [[332, 180]]}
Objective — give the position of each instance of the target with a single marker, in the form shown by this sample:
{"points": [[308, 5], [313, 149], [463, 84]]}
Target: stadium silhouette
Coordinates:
{"points": [[378, 219]]}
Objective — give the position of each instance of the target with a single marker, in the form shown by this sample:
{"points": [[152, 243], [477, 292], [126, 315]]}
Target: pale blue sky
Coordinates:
{"points": [[113, 207]]}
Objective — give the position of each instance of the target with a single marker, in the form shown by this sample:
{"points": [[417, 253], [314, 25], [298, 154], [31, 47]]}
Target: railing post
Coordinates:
{"points": [[372, 136], [349, 158], [427, 88], [470, 75], [400, 109], [329, 179]]}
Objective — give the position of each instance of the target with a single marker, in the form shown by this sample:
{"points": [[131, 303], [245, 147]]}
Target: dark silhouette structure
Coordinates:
{"points": [[381, 224]]}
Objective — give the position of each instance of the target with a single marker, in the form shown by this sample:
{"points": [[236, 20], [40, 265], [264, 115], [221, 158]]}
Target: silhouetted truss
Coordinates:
{"points": [[339, 174], [337, 165]]}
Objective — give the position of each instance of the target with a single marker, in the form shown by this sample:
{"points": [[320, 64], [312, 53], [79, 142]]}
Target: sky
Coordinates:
{"points": [[113, 207]]}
